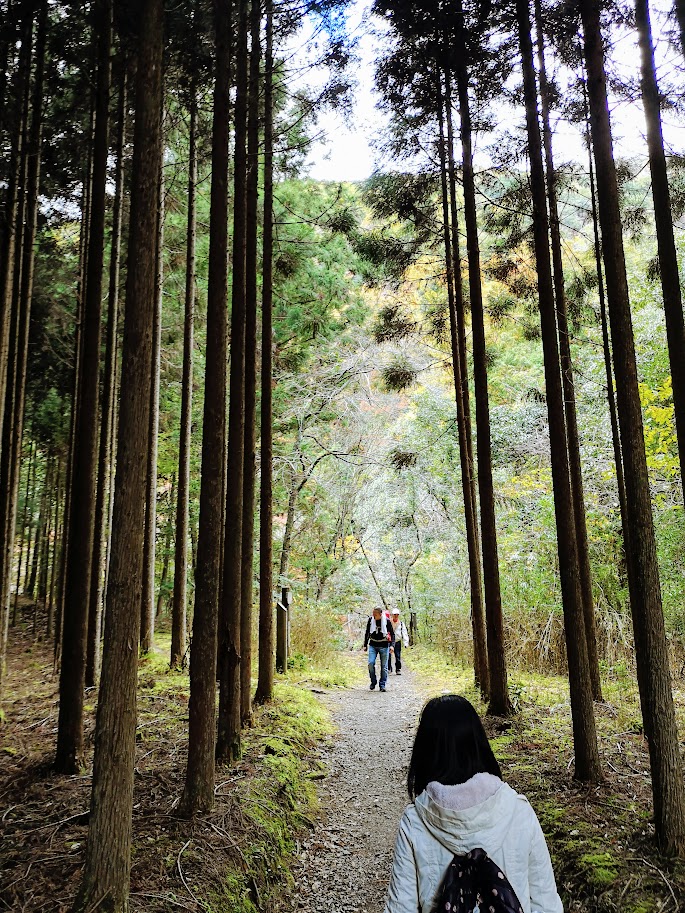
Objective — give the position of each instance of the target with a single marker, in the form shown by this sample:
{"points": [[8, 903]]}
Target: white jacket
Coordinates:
{"points": [[400, 630], [503, 824]]}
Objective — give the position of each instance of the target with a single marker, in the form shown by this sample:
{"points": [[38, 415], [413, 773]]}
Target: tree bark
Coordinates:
{"points": [[11, 281], [587, 763], [105, 475], [569, 392], [500, 703], [198, 794], [106, 875], [265, 683], [83, 496], [180, 598], [651, 649], [30, 472], [228, 737], [23, 323], [668, 258], [462, 395], [249, 470], [606, 347], [147, 606]]}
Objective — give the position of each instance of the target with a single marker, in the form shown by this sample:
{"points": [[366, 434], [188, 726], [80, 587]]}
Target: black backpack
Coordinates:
{"points": [[475, 883]]}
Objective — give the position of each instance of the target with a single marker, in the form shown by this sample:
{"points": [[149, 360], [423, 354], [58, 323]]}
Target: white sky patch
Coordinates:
{"points": [[344, 150]]}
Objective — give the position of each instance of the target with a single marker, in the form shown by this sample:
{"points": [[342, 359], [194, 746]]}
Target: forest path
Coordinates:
{"points": [[344, 862]]}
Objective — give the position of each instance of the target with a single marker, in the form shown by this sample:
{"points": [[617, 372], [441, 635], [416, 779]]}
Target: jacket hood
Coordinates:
{"points": [[454, 827]]}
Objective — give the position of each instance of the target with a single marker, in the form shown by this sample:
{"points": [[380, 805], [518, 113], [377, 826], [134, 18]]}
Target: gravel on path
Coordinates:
{"points": [[343, 864]]}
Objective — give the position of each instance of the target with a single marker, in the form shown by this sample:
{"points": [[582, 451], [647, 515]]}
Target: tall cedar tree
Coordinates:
{"points": [[106, 875], [23, 285], [651, 648], [587, 763], [606, 344], [454, 290], [463, 397], [198, 793], [180, 597], [228, 736], [668, 258], [147, 605], [15, 216], [500, 703], [569, 392], [251, 267], [265, 681], [83, 493], [105, 480]]}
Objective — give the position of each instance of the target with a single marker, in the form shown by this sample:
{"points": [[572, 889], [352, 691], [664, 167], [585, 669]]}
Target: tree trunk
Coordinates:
{"points": [[106, 874], [569, 392], [651, 649], [147, 606], [47, 532], [461, 391], [265, 683], [38, 542], [33, 454], [249, 470], [16, 422], [606, 346], [198, 794], [587, 763], [49, 623], [180, 598], [83, 496], [9, 353], [500, 704], [668, 259], [104, 477], [15, 116], [167, 552], [228, 737]]}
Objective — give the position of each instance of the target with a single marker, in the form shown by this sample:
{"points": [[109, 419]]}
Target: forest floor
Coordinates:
{"points": [[300, 824]]}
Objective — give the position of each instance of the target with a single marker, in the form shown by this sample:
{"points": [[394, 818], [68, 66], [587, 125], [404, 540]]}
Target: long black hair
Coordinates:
{"points": [[450, 745]]}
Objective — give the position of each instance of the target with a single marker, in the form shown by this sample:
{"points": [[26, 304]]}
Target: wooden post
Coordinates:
{"points": [[283, 629]]}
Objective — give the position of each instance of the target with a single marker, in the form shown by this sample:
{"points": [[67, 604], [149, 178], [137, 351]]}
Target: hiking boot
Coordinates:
{"points": [[382, 689], [398, 672], [371, 687]]}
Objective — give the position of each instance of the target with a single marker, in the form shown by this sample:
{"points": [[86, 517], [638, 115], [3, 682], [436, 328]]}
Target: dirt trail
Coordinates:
{"points": [[344, 863]]}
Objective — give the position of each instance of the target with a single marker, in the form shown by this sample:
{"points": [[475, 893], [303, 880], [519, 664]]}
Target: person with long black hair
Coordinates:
{"points": [[459, 804]]}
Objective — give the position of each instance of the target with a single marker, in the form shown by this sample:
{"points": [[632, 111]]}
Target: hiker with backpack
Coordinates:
{"points": [[467, 840], [401, 638], [379, 638]]}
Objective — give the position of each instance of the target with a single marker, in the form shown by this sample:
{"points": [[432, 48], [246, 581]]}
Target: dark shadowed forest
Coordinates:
{"points": [[241, 405]]}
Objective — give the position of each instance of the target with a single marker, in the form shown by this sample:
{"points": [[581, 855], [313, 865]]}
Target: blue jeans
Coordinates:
{"points": [[373, 653]]}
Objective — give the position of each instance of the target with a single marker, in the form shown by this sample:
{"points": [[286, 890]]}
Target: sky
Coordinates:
{"points": [[346, 153]]}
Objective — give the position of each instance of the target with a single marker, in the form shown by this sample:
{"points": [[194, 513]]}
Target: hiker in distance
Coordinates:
{"points": [[401, 638], [379, 638], [467, 839]]}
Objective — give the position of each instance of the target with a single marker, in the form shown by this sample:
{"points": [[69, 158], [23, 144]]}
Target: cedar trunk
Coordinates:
{"points": [[651, 648], [198, 794], [105, 475], [265, 683], [180, 598], [462, 395], [147, 605], [228, 737], [587, 763], [573, 437], [249, 470], [668, 259], [106, 875], [499, 694], [83, 495]]}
